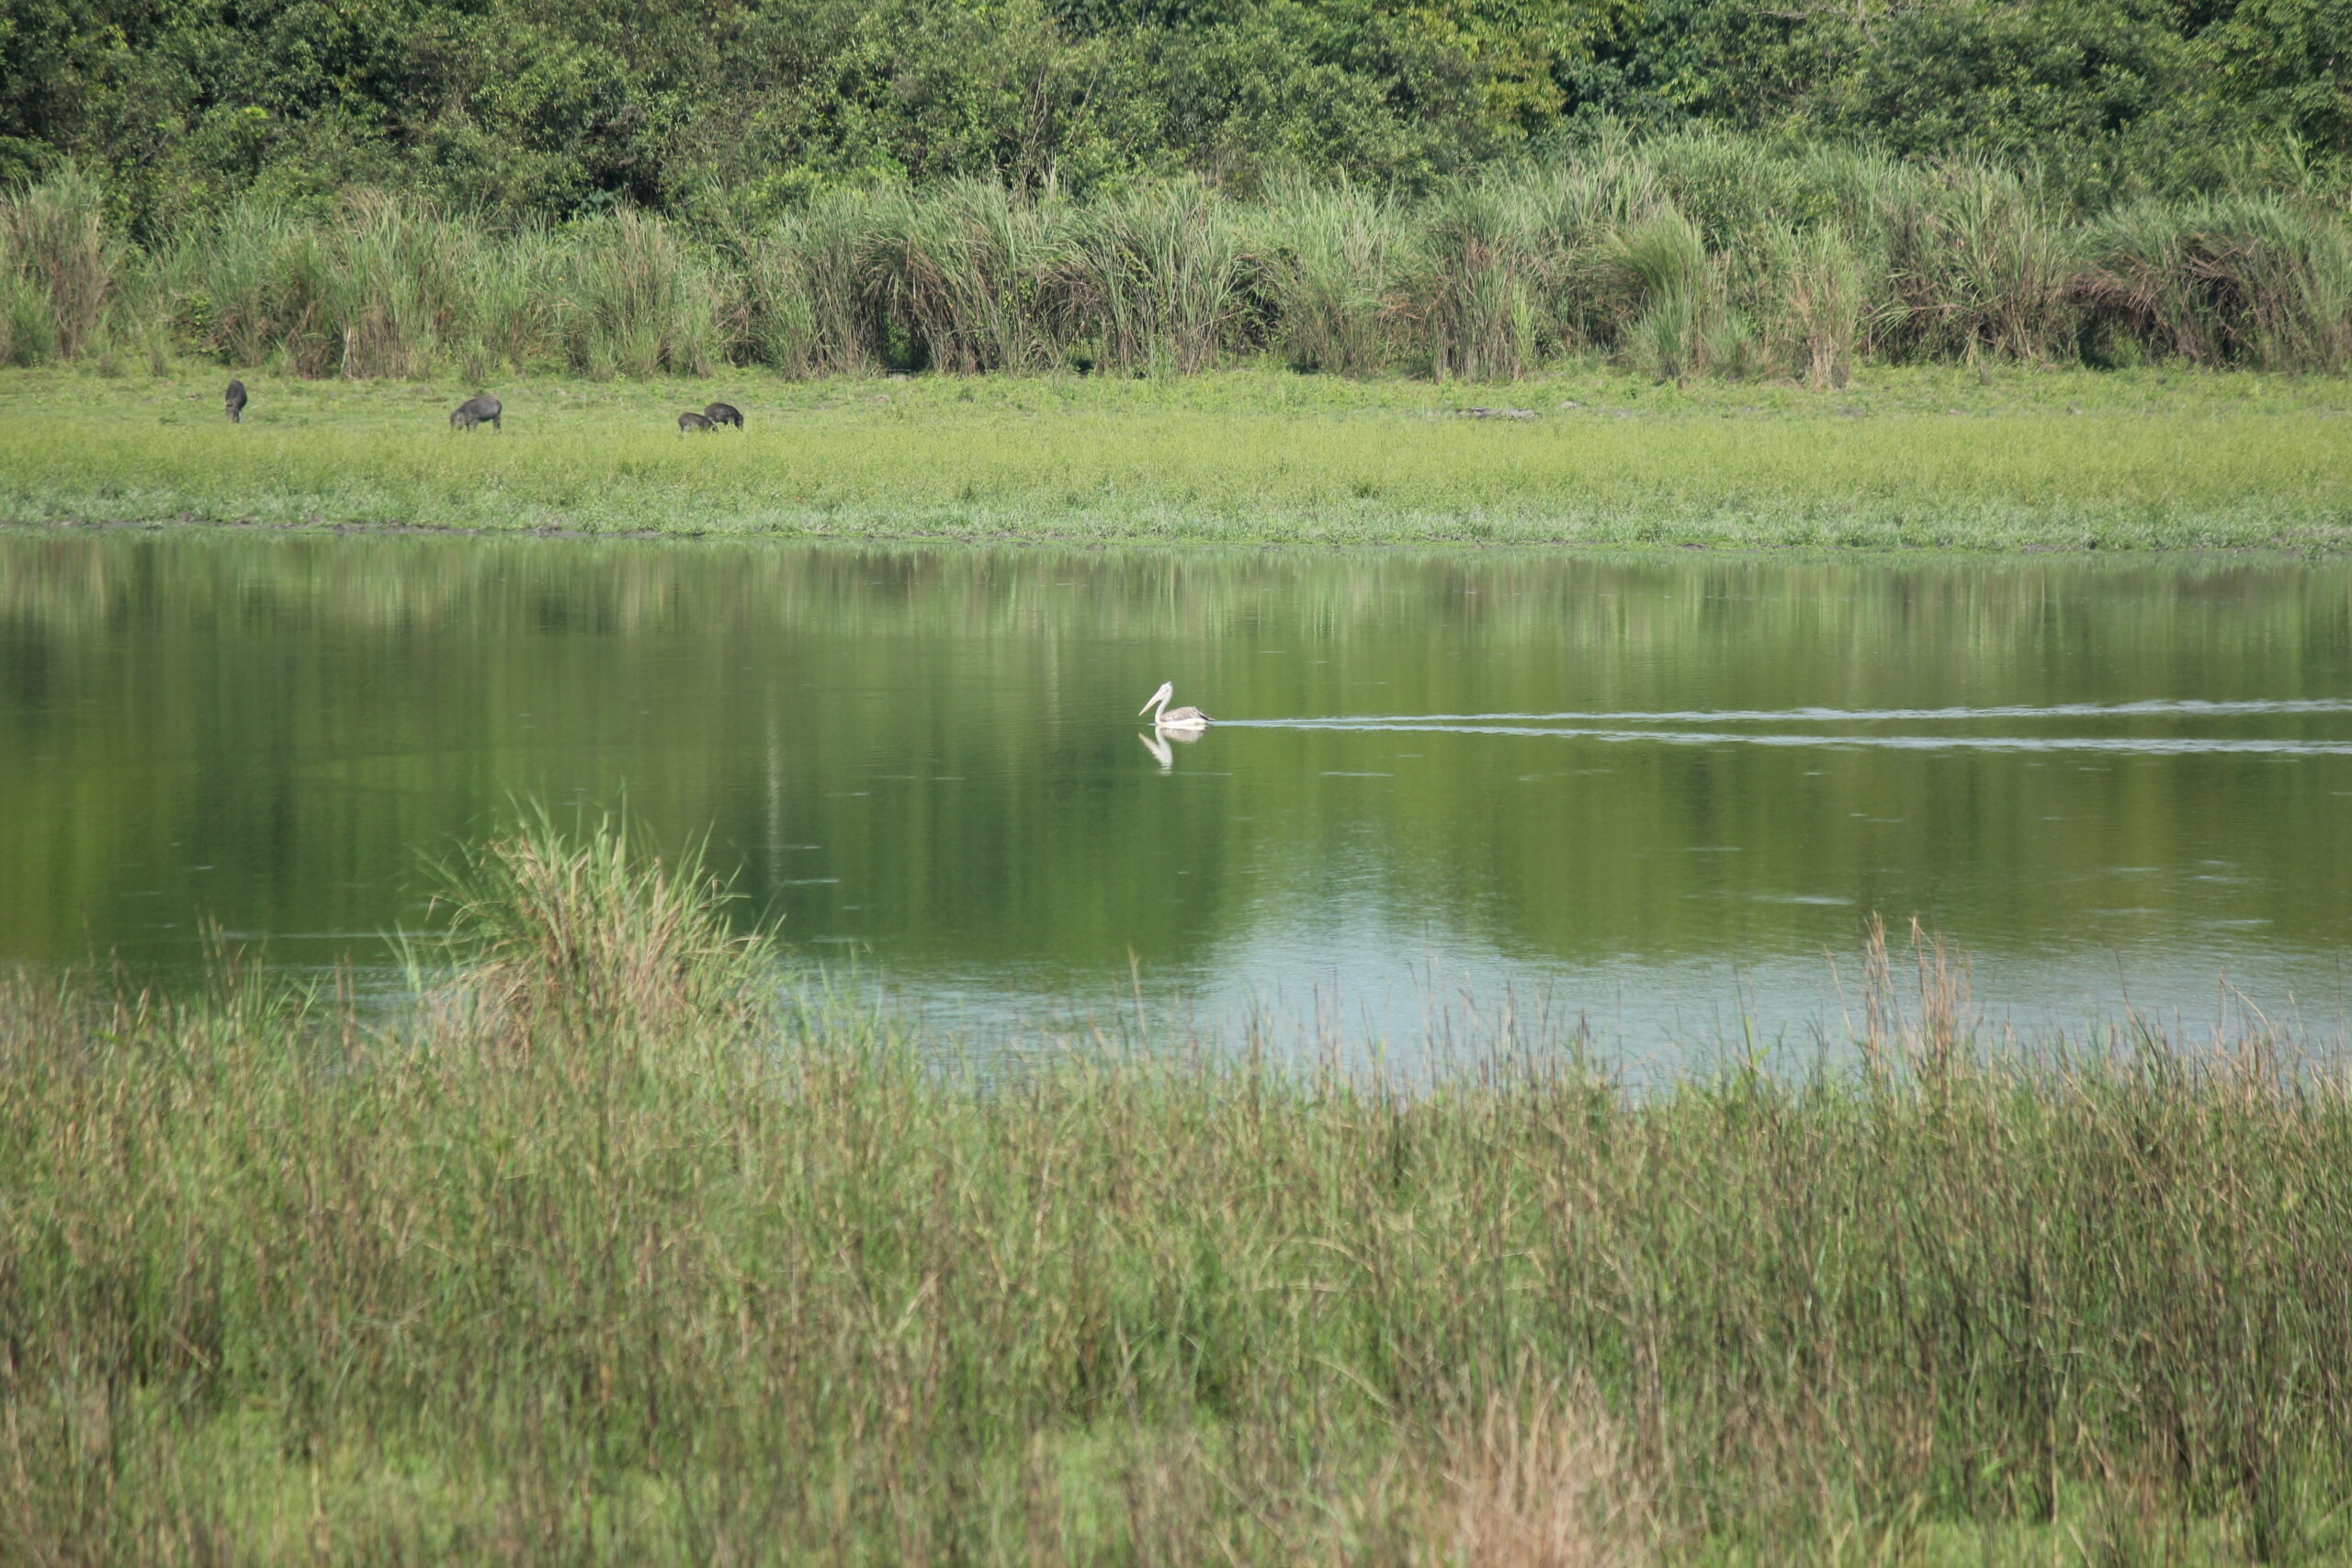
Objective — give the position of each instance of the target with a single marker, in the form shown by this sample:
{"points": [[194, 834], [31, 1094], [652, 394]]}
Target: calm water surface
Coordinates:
{"points": [[1655, 792]]}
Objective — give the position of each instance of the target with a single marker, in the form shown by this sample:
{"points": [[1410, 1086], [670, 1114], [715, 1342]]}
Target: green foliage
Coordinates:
{"points": [[747, 108], [1158, 278], [1462, 187], [27, 331], [1980, 268], [809, 302]]}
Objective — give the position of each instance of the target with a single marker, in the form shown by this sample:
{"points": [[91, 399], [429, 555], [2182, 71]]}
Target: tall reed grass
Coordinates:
{"points": [[612, 1248], [61, 273], [1339, 268], [1680, 255]]}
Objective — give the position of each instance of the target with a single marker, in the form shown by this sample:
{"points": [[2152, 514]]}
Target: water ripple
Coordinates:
{"points": [[2182, 706], [2160, 745]]}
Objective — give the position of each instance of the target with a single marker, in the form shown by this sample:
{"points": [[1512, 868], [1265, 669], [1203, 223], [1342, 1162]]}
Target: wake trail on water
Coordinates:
{"points": [[2183, 705], [1590, 725]]}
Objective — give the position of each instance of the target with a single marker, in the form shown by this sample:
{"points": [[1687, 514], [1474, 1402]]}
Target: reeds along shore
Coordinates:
{"points": [[1697, 255], [599, 1254]]}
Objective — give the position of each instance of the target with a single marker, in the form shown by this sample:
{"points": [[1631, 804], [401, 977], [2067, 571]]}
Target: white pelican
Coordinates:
{"points": [[1172, 719]]}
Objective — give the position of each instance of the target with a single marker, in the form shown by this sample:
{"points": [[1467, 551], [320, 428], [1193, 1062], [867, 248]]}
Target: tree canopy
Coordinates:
{"points": [[530, 108]]}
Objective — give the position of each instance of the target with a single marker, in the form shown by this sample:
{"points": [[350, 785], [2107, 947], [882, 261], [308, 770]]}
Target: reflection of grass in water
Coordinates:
{"points": [[581, 1264], [1924, 458]]}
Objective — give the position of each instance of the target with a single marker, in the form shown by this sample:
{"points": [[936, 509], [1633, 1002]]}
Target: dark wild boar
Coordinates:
{"points": [[723, 413], [477, 411], [690, 422], [236, 402]]}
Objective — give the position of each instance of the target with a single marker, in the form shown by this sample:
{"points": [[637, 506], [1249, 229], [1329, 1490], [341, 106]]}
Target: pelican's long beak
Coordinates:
{"points": [[1145, 708]]}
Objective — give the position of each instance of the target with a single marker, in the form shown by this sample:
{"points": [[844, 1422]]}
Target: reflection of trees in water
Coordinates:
{"points": [[68, 581], [323, 707]]}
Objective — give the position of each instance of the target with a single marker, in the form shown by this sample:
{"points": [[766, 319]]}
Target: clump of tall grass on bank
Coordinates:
{"points": [[575, 937], [647, 1263], [64, 277], [2252, 282], [1339, 266], [1698, 253]]}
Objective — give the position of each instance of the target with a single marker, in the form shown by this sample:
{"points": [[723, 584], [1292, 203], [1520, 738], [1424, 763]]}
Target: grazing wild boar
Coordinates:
{"points": [[723, 413], [236, 402], [476, 410], [690, 422]]}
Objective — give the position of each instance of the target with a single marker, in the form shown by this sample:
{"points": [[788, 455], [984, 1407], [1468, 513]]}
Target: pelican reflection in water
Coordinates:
{"points": [[1172, 718], [1157, 744]]}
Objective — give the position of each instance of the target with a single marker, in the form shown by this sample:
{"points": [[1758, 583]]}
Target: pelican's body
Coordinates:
{"points": [[1172, 719]]}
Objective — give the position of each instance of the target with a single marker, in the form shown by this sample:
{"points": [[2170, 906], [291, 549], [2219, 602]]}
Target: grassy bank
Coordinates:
{"points": [[1923, 457], [600, 1257]]}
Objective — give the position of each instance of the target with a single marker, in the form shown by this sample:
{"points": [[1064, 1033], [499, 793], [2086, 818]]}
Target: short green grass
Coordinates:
{"points": [[1935, 457], [595, 1257]]}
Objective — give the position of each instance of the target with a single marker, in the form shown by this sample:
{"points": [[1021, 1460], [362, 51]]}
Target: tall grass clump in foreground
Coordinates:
{"points": [[605, 1252], [577, 933]]}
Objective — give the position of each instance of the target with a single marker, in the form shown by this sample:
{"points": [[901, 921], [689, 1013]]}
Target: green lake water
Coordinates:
{"points": [[1658, 793]]}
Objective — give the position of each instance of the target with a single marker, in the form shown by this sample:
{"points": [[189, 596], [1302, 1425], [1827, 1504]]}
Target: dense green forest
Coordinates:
{"points": [[732, 111], [1469, 188]]}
